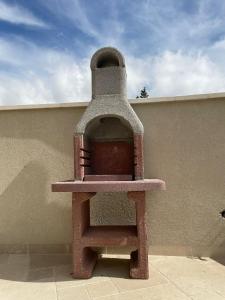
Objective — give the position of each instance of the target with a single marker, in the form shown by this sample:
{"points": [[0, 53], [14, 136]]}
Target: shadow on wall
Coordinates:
{"points": [[47, 125], [22, 208]]}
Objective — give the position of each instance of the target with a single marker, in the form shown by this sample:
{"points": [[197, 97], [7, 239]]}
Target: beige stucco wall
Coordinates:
{"points": [[184, 145]]}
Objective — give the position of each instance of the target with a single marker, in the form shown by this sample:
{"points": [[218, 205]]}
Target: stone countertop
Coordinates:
{"points": [[109, 186]]}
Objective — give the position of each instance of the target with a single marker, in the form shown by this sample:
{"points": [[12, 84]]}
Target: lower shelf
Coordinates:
{"points": [[100, 236]]}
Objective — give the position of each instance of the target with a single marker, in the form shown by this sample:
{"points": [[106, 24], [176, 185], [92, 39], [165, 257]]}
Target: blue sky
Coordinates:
{"points": [[173, 47]]}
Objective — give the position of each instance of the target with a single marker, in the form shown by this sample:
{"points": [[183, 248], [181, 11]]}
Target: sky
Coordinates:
{"points": [[172, 47]]}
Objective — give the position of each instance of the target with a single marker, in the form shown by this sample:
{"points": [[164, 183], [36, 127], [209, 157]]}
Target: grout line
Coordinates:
{"points": [[178, 287], [55, 283], [172, 282], [143, 288], [135, 290], [103, 296], [118, 291], [117, 288], [218, 293], [89, 296], [81, 284]]}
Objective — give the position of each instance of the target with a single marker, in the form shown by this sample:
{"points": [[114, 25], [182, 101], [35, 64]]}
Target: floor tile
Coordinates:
{"points": [[101, 289], [194, 276], [171, 278], [10, 273], [64, 279], [126, 284], [155, 258], [28, 291], [131, 295], [49, 260], [73, 293], [204, 295], [43, 274], [163, 292], [174, 267]]}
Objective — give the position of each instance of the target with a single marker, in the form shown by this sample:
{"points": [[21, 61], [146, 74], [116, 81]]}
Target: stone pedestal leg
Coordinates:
{"points": [[139, 257], [84, 259]]}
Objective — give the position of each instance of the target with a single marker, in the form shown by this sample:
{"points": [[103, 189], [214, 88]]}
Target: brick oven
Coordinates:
{"points": [[108, 157]]}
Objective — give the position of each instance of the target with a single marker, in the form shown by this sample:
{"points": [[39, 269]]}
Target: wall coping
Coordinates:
{"points": [[197, 97]]}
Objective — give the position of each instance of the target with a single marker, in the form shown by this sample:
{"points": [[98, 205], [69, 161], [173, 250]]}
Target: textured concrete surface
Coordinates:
{"points": [[183, 144], [171, 278], [109, 91], [108, 72], [112, 105]]}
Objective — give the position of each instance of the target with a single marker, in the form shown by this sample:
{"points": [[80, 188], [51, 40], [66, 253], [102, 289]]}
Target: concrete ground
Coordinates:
{"points": [[38, 277]]}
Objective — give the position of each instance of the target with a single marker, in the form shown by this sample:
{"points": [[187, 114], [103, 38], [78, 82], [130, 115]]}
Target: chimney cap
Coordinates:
{"points": [[107, 57]]}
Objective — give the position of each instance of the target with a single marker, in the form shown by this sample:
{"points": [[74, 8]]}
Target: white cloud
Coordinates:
{"points": [[18, 15], [42, 75], [176, 73], [179, 73]]}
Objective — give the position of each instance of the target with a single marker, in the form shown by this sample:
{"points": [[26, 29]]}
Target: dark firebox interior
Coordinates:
{"points": [[109, 147]]}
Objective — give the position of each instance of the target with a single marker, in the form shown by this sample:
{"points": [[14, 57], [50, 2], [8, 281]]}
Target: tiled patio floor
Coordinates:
{"points": [[38, 277]]}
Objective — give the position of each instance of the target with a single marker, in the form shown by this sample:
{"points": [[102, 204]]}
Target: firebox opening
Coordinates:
{"points": [[107, 60], [110, 141]]}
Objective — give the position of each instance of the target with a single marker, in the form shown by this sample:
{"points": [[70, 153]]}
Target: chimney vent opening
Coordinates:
{"points": [[108, 60]]}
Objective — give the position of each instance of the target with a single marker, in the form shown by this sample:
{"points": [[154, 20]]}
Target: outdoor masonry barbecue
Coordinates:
{"points": [[108, 157]]}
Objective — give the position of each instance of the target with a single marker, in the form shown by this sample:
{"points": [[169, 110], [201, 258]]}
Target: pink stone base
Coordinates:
{"points": [[86, 236]]}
